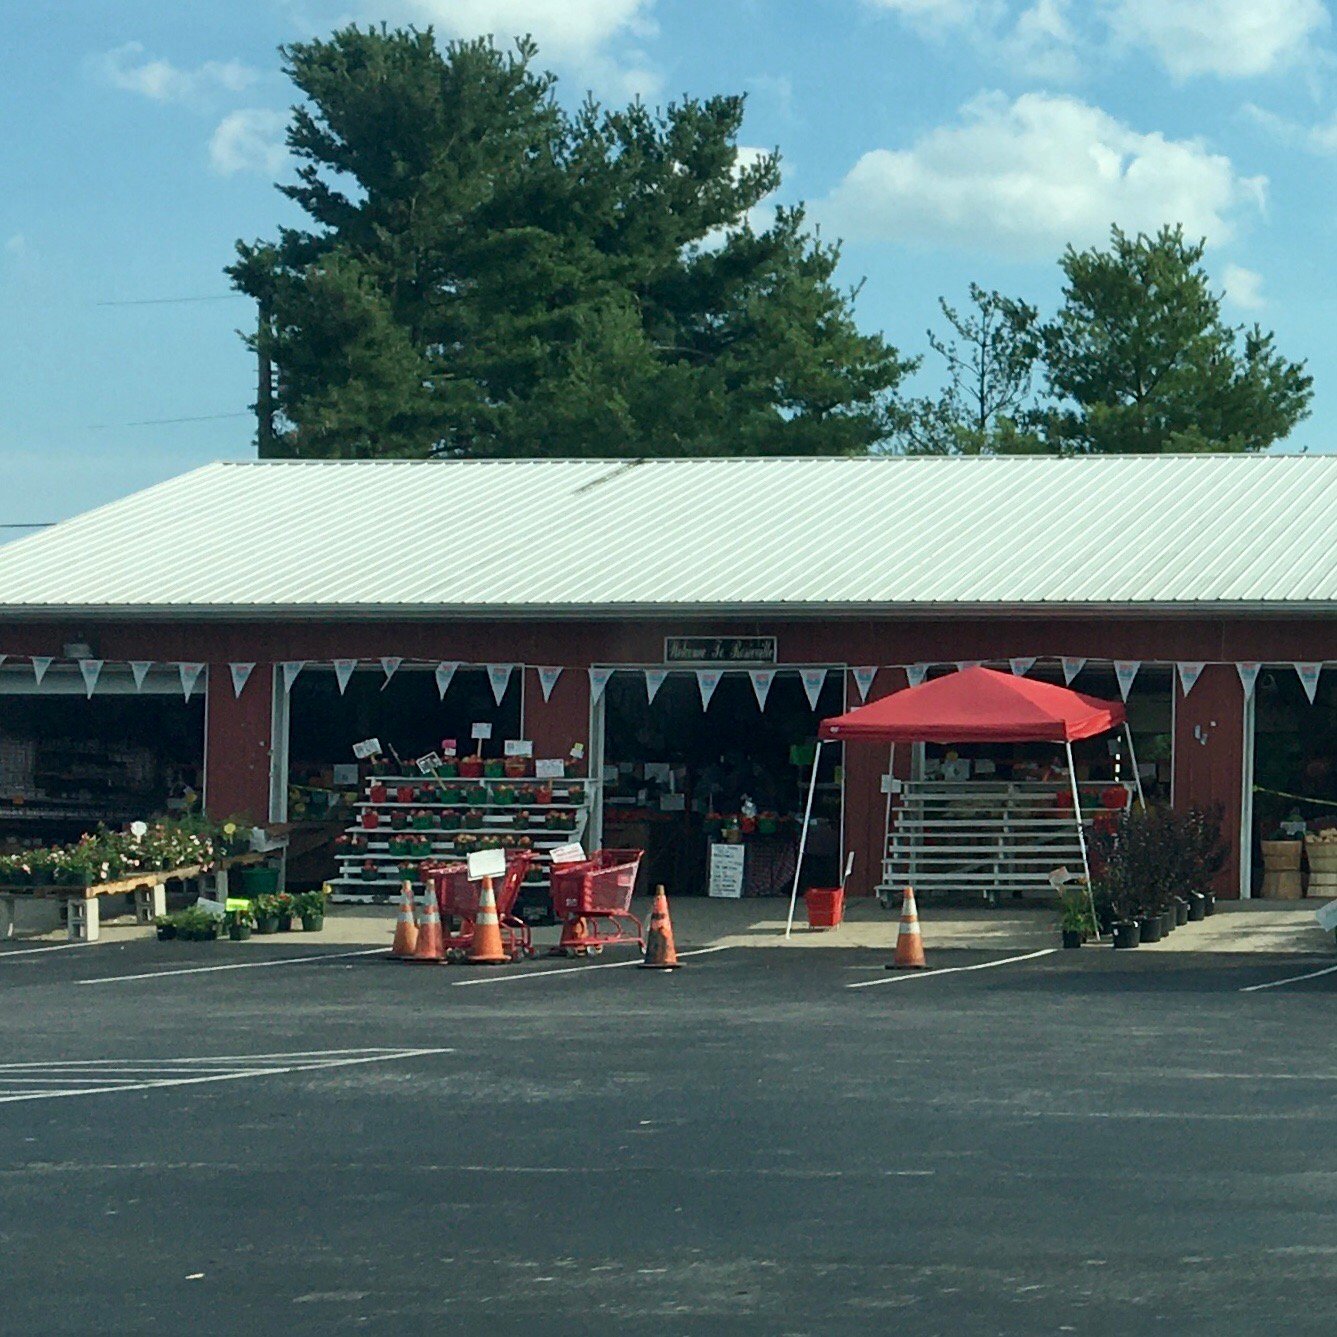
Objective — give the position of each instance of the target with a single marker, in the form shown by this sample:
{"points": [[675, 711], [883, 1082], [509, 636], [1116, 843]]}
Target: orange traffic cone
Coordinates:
{"points": [[660, 953], [486, 948], [909, 944], [406, 931], [431, 946]]}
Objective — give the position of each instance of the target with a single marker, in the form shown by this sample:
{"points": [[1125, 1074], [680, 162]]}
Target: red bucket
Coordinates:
{"points": [[825, 905]]}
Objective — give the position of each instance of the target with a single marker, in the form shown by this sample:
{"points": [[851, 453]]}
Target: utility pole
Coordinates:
{"points": [[264, 396]]}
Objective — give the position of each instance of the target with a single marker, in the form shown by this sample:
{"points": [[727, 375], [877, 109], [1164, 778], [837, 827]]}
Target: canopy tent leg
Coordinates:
{"points": [[886, 826], [1132, 753], [1081, 835], [803, 835]]}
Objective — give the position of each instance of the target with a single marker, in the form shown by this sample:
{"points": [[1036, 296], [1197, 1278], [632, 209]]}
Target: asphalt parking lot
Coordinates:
{"points": [[1086, 1142]]}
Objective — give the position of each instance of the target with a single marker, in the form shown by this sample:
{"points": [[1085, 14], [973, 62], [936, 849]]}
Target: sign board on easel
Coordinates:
{"points": [[726, 871]]}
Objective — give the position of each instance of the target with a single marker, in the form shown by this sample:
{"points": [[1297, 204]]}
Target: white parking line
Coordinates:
{"points": [[1290, 979], [572, 970], [35, 951], [239, 965], [949, 970]]}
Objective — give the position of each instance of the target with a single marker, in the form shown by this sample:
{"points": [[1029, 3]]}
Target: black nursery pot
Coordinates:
{"points": [[1150, 928], [1167, 921], [1072, 937], [166, 932], [1127, 934], [1181, 912], [1209, 903], [1197, 908]]}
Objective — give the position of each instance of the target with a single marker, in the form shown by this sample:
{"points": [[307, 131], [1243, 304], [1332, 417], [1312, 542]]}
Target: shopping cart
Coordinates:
{"points": [[592, 898], [457, 900]]}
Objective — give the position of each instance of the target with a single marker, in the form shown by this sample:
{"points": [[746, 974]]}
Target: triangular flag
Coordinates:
{"points": [[1071, 668], [548, 676], [445, 671], [1190, 670], [1021, 667], [1125, 670], [707, 680], [761, 684], [389, 666], [499, 675], [968, 663], [240, 675], [654, 680], [1248, 672], [91, 669], [1309, 675], [598, 681], [291, 668], [915, 674], [343, 671], [139, 669], [190, 675], [813, 679], [863, 679], [40, 664], [3, 658]]}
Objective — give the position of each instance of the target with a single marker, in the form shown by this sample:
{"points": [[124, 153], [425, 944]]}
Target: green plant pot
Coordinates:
{"points": [[267, 924], [313, 923], [494, 768], [239, 932], [285, 923], [260, 880]]}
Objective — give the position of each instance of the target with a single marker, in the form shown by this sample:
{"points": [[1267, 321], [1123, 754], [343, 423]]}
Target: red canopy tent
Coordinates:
{"points": [[976, 705]]}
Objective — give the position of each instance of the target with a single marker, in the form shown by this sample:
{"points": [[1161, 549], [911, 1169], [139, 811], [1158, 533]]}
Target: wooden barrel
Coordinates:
{"points": [[1281, 884]]}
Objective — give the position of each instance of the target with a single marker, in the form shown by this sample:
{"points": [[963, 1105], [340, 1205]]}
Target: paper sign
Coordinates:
{"points": [[550, 769], [213, 908], [481, 731], [344, 773], [673, 803], [369, 748], [572, 853], [1327, 916], [518, 747], [426, 765], [487, 863], [448, 748], [236, 903], [1059, 876], [726, 871]]}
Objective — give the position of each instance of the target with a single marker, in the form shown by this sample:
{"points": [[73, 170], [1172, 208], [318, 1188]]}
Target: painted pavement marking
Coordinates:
{"points": [[1290, 979], [237, 965], [573, 970], [951, 970]]}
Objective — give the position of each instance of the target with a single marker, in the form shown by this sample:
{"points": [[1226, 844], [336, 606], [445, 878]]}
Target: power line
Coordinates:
{"points": [[33, 524], [169, 301], [163, 422]]}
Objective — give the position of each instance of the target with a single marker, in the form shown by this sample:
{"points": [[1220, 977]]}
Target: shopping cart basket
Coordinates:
{"points": [[592, 898], [457, 900]]}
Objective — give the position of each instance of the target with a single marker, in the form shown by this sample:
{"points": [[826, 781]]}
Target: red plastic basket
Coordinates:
{"points": [[601, 884]]}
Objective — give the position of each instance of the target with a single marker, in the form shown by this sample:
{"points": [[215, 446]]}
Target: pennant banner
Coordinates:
{"points": [[548, 676], [139, 669], [813, 681], [1190, 670], [916, 673], [654, 680], [499, 675], [1021, 667], [92, 670], [1309, 675], [761, 684], [444, 673], [190, 675], [598, 681], [343, 671], [1125, 670], [240, 676], [1071, 668], [291, 668], [1248, 671], [707, 680], [968, 663], [40, 664], [863, 679], [389, 666]]}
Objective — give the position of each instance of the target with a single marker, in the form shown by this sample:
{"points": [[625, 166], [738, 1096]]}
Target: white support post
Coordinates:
{"points": [[1132, 753], [1081, 836], [803, 835]]}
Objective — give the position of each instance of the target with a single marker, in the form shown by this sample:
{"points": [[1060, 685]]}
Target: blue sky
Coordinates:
{"points": [[944, 140]]}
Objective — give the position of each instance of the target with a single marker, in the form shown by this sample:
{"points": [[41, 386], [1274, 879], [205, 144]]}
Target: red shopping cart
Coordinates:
{"points": [[592, 898], [457, 900]]}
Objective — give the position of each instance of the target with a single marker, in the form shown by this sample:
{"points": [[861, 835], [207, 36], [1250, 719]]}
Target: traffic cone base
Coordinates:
{"points": [[486, 948], [660, 952], [431, 945], [406, 929], [909, 942]]}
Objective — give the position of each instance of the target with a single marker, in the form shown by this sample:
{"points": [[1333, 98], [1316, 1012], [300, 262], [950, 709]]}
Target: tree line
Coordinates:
{"points": [[483, 273]]}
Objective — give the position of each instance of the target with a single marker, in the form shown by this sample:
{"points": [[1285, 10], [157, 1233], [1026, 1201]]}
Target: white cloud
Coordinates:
{"points": [[1320, 138], [249, 140], [1029, 176], [126, 68], [940, 13], [1230, 38], [1244, 288]]}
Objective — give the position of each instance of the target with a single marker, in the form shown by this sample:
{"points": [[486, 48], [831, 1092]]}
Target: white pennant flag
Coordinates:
{"points": [[499, 675], [761, 684], [343, 671], [598, 681], [1248, 672], [1190, 670], [291, 668], [706, 681], [241, 674], [968, 663], [3, 658], [1309, 675], [1125, 670], [813, 680], [863, 679], [92, 670], [389, 666], [139, 669], [915, 674], [548, 676], [40, 664], [445, 671], [1021, 667], [190, 675], [1071, 668], [654, 680]]}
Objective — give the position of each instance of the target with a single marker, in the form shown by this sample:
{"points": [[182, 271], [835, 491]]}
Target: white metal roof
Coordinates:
{"points": [[781, 536]]}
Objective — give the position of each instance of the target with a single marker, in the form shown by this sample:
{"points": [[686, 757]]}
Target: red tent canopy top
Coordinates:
{"points": [[978, 705]]}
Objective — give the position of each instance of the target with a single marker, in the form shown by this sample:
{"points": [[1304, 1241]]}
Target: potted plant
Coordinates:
{"points": [[166, 926], [494, 768], [284, 906], [310, 907], [1075, 918], [240, 923], [515, 768], [265, 914], [471, 767]]}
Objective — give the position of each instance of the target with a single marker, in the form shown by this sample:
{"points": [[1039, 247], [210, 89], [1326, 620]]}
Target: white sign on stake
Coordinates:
{"points": [[426, 765], [444, 673], [343, 671], [1309, 676], [813, 680], [548, 675], [389, 666], [481, 731], [761, 684], [598, 681], [190, 675], [915, 674], [91, 670], [654, 680], [550, 768], [1189, 670], [487, 863], [1125, 670], [499, 676], [1021, 667], [291, 668], [518, 747], [1071, 668], [863, 679], [369, 747], [40, 664], [139, 670], [706, 682], [240, 675], [1248, 671]]}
